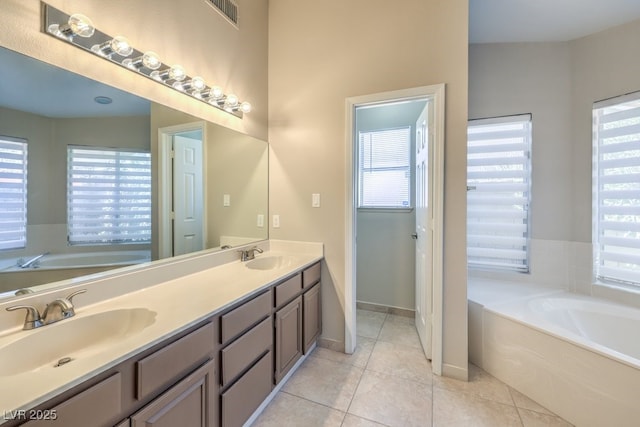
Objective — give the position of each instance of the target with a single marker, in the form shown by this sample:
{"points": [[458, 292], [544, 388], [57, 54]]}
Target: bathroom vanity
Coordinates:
{"points": [[249, 326]]}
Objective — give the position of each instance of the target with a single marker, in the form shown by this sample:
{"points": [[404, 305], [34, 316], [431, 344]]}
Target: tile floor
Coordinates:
{"points": [[388, 382]]}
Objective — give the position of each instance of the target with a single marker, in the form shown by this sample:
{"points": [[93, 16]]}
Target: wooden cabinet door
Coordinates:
{"points": [[190, 403], [288, 324], [312, 316]]}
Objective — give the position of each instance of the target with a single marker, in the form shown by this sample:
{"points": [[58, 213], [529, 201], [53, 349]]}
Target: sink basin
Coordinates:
{"points": [[270, 262], [72, 338]]}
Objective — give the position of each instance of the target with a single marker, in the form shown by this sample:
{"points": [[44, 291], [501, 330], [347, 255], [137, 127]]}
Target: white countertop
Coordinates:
{"points": [[179, 304]]}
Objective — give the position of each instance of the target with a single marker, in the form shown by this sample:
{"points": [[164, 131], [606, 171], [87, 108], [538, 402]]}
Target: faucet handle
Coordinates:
{"points": [[73, 294], [32, 320]]}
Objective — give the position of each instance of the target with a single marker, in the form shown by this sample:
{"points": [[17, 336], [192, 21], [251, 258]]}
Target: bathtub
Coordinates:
{"points": [[57, 267], [576, 355], [93, 259]]}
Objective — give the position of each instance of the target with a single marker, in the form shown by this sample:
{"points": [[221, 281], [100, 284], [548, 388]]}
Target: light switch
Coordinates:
{"points": [[276, 221], [315, 200], [226, 200], [260, 220]]}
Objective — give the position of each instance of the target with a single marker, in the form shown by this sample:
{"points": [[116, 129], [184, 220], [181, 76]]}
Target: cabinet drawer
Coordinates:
{"points": [[311, 275], [285, 291], [245, 350], [188, 403], [98, 406], [242, 318], [244, 397], [165, 366]]}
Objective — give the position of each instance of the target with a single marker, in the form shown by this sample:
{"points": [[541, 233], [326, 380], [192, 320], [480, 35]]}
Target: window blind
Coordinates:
{"points": [[13, 193], [384, 168], [108, 196], [498, 180], [616, 189]]}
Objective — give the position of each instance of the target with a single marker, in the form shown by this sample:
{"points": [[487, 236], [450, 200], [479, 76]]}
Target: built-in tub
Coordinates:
{"points": [[55, 267], [574, 354]]}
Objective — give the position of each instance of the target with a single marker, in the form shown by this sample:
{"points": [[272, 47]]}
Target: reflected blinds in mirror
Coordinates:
{"points": [[108, 196], [13, 193]]}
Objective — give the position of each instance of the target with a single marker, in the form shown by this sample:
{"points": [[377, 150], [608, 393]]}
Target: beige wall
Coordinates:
{"points": [[558, 83], [321, 53], [238, 166], [517, 78], [604, 65], [47, 140], [190, 33]]}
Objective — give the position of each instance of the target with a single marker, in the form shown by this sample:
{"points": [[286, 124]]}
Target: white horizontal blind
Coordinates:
{"points": [[498, 196], [384, 168], [13, 193], [616, 189], [108, 196]]}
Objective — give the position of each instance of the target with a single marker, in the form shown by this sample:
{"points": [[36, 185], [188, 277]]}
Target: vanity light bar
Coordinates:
{"points": [[79, 31]]}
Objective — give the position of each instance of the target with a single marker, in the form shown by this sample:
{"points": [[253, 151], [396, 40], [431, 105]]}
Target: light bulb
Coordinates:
{"points": [[177, 73], [80, 25], [245, 107], [231, 100], [121, 46], [151, 60], [77, 25], [198, 84], [214, 94]]}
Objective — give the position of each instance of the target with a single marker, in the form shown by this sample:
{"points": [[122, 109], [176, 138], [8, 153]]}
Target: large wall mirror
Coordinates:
{"points": [[93, 179]]}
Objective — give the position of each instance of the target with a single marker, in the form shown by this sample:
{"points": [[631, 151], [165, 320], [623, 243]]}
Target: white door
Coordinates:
{"points": [[188, 195], [424, 231]]}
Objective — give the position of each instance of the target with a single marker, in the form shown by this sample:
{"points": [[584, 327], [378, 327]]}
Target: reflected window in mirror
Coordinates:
{"points": [[108, 196], [13, 193]]}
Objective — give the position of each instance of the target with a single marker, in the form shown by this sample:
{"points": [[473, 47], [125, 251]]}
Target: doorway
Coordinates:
{"points": [[181, 196], [413, 267]]}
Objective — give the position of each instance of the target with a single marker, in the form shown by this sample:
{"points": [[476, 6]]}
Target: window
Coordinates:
{"points": [[616, 189], [13, 193], [108, 196], [498, 196], [384, 168]]}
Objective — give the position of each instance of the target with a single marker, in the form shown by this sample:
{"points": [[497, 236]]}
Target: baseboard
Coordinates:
{"points": [[405, 312], [455, 372], [331, 344]]}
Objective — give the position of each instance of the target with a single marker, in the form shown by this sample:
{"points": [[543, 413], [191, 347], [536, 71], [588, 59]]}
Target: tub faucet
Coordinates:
{"points": [[31, 262], [249, 254]]}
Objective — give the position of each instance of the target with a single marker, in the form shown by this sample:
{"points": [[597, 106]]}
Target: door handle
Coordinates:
{"points": [[414, 236]]}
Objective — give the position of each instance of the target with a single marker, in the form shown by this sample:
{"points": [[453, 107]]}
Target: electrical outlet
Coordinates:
{"points": [[276, 221], [315, 200], [260, 220], [226, 200]]}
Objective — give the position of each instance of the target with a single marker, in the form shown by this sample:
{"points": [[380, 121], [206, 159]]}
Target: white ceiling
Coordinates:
{"points": [[506, 21]]}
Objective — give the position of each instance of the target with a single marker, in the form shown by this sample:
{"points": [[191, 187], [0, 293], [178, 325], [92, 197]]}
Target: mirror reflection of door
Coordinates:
{"points": [[182, 205], [188, 193]]}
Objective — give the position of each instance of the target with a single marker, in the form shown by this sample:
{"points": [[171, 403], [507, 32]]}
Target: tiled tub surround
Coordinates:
{"points": [[182, 292], [577, 355]]}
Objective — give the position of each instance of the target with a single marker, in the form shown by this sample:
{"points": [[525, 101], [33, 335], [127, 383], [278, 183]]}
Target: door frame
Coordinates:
{"points": [[437, 93], [165, 188]]}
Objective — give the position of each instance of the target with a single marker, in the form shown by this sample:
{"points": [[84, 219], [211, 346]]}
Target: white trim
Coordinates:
{"points": [[437, 93], [165, 184]]}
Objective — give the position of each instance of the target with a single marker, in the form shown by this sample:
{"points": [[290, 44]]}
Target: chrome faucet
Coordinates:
{"points": [[249, 254], [31, 262], [58, 309]]}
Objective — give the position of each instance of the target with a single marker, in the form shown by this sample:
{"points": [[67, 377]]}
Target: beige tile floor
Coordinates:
{"points": [[388, 382]]}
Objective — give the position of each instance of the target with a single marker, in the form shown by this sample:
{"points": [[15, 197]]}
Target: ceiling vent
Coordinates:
{"points": [[227, 8]]}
